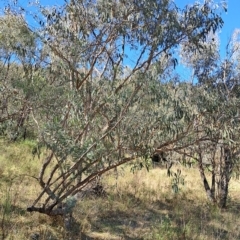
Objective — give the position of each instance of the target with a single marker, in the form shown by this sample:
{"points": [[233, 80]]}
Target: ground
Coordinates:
{"points": [[138, 205]]}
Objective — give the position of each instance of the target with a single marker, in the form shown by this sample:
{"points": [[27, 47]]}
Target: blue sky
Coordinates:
{"points": [[231, 19]]}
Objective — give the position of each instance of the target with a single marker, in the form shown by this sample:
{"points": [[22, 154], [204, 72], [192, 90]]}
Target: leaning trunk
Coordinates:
{"points": [[209, 191]]}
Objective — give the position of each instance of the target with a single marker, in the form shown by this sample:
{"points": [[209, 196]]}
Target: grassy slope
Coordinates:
{"points": [[137, 206]]}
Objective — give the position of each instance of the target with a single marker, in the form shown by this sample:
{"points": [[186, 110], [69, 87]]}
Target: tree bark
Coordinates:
{"points": [[225, 170], [207, 188]]}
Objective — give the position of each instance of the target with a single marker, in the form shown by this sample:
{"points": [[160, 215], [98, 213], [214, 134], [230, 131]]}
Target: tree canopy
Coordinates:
{"points": [[96, 84]]}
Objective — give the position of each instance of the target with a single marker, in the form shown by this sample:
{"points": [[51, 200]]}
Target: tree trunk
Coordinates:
{"points": [[207, 188], [224, 173]]}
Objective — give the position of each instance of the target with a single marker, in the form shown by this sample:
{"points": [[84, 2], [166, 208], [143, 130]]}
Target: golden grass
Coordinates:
{"points": [[136, 206]]}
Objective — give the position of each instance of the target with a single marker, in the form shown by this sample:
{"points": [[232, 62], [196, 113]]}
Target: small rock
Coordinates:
{"points": [[35, 236]]}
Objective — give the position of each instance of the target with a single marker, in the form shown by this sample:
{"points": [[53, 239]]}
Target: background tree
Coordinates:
{"points": [[19, 77], [216, 123]]}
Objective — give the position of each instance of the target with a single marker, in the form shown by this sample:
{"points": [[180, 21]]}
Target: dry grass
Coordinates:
{"points": [[136, 206]]}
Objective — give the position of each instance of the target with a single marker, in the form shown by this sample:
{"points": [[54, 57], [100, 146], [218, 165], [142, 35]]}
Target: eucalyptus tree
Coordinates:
{"points": [[102, 100], [217, 118], [18, 81]]}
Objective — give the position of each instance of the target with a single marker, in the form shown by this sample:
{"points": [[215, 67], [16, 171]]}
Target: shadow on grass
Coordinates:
{"points": [[128, 217]]}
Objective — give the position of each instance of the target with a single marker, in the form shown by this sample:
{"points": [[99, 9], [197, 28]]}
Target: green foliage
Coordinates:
{"points": [[92, 106], [176, 180]]}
